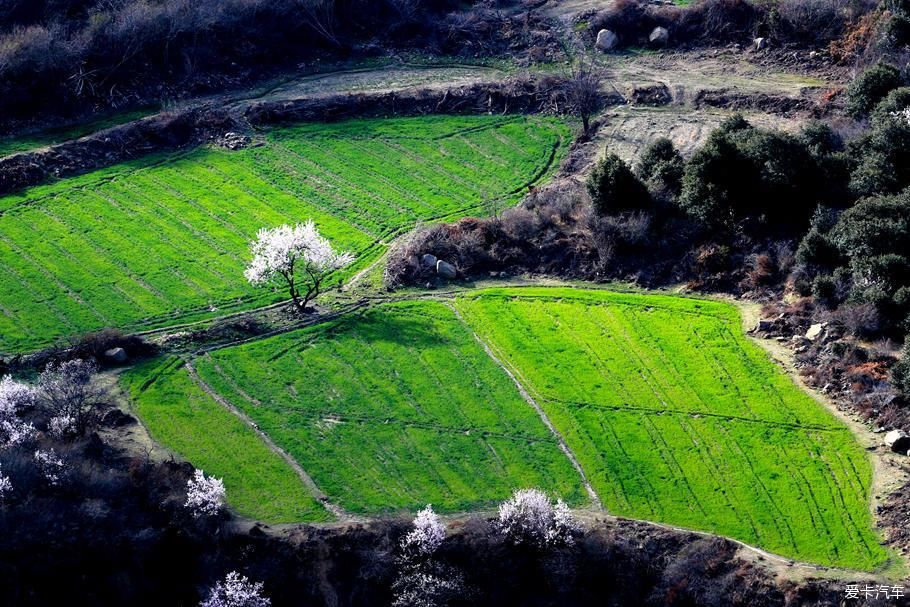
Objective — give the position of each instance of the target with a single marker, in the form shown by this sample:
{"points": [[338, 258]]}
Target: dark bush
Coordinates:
{"points": [[816, 249], [824, 288], [661, 167], [900, 372], [870, 87], [881, 159], [614, 188], [744, 174], [894, 102]]}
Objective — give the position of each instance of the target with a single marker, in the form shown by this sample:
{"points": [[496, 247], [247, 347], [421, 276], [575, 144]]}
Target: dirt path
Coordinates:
{"points": [[595, 499], [307, 480]]}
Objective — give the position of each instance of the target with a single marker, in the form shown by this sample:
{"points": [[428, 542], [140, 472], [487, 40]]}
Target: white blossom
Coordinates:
{"points": [[904, 115], [6, 486], [61, 426], [13, 397], [50, 465], [204, 494], [529, 517], [236, 591], [427, 535], [293, 254]]}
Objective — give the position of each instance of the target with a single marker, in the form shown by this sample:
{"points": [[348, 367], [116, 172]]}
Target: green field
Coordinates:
{"points": [[676, 417], [180, 415], [387, 410], [672, 413], [162, 241]]}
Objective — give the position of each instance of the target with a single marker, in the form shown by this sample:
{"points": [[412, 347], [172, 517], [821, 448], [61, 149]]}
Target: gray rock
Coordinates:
{"points": [[116, 355], [760, 44], [815, 331], [606, 41], [428, 260], [764, 325], [659, 36], [446, 270], [898, 441]]}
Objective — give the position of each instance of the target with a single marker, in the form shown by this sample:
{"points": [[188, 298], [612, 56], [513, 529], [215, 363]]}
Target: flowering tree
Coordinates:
{"points": [[67, 391], [6, 486], [422, 581], [427, 535], [13, 397], [296, 255], [204, 494], [51, 466], [236, 591], [529, 517]]}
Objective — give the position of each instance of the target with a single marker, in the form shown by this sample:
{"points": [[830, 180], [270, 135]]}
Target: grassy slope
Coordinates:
{"points": [[676, 417], [393, 409], [163, 241], [259, 483]]}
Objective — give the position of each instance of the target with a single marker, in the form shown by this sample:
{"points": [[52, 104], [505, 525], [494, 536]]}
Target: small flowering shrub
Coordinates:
{"points": [[236, 591], [204, 494], [6, 486], [50, 465], [13, 397], [427, 535], [529, 517]]}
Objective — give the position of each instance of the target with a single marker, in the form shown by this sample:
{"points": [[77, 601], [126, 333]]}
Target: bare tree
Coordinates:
{"points": [[67, 391], [582, 94]]}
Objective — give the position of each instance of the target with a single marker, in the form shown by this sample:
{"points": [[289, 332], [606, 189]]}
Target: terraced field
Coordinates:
{"points": [[164, 241], [672, 414], [387, 410], [676, 417]]}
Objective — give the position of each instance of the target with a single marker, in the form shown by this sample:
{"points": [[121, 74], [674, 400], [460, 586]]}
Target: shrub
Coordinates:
{"points": [[824, 288], [747, 174], [900, 372], [661, 167], [881, 159], [870, 87], [892, 105], [615, 188]]}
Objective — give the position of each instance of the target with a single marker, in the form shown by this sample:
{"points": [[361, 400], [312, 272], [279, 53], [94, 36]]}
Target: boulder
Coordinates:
{"points": [[815, 331], [606, 41], [659, 36], [446, 270], [115, 418], [428, 261], [898, 441], [116, 355], [760, 44], [764, 325]]}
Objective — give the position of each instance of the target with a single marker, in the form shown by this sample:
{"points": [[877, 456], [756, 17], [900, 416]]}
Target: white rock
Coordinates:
{"points": [[815, 331], [606, 41], [659, 36]]}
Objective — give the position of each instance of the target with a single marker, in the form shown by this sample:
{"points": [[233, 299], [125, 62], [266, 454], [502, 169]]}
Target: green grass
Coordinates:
{"points": [[46, 137], [676, 417], [164, 240], [393, 409], [259, 483]]}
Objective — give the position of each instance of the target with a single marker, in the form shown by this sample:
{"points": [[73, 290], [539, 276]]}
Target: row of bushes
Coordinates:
{"points": [[58, 54]]}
